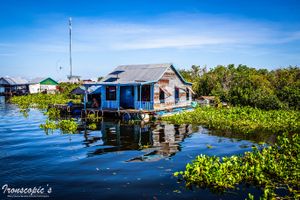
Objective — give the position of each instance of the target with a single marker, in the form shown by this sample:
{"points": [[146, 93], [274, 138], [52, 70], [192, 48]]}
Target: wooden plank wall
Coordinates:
{"points": [[169, 81]]}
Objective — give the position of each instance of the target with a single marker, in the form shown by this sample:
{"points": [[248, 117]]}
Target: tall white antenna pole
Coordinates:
{"points": [[70, 35]]}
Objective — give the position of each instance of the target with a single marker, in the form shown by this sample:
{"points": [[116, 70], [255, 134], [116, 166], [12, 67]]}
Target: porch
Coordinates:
{"points": [[136, 96], [127, 97]]}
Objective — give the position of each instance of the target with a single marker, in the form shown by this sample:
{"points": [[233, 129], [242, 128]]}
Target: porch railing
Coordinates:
{"points": [[144, 105], [110, 104]]}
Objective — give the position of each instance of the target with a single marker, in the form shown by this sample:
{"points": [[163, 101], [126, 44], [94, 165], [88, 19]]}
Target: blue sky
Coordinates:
{"points": [[34, 34]]}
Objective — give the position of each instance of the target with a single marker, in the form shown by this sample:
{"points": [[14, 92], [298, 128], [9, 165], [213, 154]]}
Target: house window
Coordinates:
{"points": [[161, 96], [176, 94], [145, 93], [111, 93], [187, 94]]}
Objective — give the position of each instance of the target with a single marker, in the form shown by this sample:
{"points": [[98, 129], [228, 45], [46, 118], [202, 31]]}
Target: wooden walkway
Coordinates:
{"points": [[127, 114]]}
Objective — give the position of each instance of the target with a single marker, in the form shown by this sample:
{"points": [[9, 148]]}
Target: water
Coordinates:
{"points": [[117, 161]]}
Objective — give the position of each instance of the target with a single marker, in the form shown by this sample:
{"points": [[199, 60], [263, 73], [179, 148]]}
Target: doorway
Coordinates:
{"points": [[127, 97]]}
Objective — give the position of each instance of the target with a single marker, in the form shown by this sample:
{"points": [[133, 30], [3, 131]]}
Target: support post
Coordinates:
{"points": [[140, 96], [70, 46], [103, 96], [151, 96], [118, 97], [85, 98], [136, 96]]}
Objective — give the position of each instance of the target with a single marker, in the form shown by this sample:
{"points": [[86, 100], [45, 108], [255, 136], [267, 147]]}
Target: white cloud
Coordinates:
{"points": [[173, 31], [101, 44]]}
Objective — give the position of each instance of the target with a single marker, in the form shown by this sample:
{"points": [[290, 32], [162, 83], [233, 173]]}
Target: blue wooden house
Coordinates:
{"points": [[149, 87]]}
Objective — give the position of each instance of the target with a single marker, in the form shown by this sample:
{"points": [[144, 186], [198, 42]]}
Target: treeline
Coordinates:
{"points": [[245, 86]]}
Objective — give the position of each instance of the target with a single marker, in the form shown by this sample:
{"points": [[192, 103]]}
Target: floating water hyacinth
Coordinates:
{"points": [[271, 168], [241, 119], [66, 126]]}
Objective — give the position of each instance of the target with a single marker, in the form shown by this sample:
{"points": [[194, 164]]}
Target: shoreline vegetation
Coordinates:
{"points": [[42, 101], [245, 86], [264, 101]]}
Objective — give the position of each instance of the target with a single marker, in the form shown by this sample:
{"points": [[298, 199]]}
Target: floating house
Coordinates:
{"points": [[13, 86], [47, 85], [149, 87]]}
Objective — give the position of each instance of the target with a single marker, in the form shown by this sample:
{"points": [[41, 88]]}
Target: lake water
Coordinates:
{"points": [[117, 161]]}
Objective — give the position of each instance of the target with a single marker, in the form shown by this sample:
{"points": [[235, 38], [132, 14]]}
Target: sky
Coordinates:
{"points": [[34, 37]]}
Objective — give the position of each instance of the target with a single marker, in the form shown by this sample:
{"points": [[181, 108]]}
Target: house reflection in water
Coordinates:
{"points": [[157, 141]]}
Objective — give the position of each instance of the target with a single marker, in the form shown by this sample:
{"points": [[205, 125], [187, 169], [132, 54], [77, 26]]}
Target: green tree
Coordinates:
{"points": [[246, 86]]}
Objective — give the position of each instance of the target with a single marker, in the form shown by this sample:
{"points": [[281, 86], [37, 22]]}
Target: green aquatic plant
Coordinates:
{"points": [[68, 126], [92, 126], [49, 125], [270, 168], [241, 119], [53, 113], [41, 101], [93, 117], [66, 88], [133, 122], [24, 112], [146, 146]]}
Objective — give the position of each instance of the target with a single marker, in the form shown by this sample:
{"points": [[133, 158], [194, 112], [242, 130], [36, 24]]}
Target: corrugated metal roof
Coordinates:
{"points": [[15, 80], [37, 80], [137, 73]]}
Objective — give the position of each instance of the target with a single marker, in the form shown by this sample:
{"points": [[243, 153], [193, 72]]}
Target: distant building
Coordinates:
{"points": [[73, 79], [13, 86], [47, 85], [206, 100], [87, 81]]}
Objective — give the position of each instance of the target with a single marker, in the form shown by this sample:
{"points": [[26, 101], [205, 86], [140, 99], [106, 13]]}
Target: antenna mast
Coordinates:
{"points": [[70, 47]]}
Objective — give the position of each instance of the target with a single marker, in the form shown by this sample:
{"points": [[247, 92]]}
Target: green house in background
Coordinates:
{"points": [[47, 85]]}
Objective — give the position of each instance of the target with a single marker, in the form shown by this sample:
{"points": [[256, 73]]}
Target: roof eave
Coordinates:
{"points": [[120, 84], [178, 74]]}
